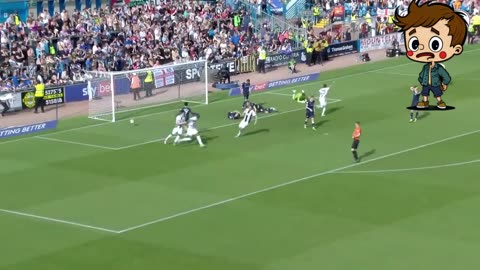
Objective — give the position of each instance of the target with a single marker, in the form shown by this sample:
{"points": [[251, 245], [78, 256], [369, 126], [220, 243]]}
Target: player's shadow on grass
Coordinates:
{"points": [[367, 154], [334, 109], [423, 115], [208, 139], [263, 130], [321, 123]]}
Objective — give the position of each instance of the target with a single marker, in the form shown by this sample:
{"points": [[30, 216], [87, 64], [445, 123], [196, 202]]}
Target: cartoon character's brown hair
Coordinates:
{"points": [[428, 14]]}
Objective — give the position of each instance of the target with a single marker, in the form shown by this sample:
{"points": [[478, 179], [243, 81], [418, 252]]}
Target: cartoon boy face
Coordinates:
{"points": [[431, 44]]}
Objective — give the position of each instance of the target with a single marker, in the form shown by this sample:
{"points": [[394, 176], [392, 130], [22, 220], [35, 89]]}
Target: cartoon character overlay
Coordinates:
{"points": [[434, 33]]}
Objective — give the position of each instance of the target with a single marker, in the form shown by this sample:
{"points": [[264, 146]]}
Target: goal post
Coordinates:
{"points": [[113, 94]]}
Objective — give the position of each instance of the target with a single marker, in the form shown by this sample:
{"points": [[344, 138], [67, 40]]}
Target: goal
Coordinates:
{"points": [[113, 94]]}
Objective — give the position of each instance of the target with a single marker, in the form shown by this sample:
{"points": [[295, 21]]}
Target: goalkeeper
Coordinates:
{"points": [[300, 97]]}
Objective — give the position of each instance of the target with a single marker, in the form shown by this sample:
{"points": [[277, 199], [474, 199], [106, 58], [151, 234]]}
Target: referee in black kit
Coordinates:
{"points": [[246, 89]]}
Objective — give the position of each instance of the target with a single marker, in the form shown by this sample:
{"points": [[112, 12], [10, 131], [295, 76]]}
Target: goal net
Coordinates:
{"points": [[113, 94]]}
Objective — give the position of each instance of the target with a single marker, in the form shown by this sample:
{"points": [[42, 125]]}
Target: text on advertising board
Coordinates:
{"points": [[22, 130], [54, 96], [379, 42], [343, 48], [278, 83]]}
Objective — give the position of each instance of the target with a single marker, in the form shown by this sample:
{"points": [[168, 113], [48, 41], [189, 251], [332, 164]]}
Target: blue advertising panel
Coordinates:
{"points": [[27, 129], [79, 92], [277, 83]]}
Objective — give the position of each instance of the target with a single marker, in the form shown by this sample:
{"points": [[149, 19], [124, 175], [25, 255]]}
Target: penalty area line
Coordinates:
{"points": [[306, 178], [75, 143], [55, 220], [413, 168]]}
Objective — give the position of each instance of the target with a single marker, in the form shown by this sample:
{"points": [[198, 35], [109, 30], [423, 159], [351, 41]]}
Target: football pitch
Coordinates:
{"points": [[96, 195]]}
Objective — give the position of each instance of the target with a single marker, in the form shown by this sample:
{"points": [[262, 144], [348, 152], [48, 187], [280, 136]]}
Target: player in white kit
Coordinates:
{"points": [[248, 115], [192, 130], [322, 99], [177, 130]]}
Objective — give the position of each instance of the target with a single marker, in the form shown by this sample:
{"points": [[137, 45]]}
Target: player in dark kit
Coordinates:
{"points": [[246, 89], [415, 100], [310, 112], [186, 111], [356, 141]]}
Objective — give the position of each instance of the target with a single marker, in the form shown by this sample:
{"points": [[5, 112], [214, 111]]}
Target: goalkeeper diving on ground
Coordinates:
{"points": [[301, 97]]}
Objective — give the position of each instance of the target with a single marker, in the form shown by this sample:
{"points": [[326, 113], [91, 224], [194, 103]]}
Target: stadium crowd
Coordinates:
{"points": [[59, 47]]}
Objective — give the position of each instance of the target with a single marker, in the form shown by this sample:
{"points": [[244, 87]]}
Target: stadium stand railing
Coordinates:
{"points": [[276, 23]]}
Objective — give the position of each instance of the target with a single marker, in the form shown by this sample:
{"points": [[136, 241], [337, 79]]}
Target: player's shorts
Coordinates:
{"points": [[322, 103], [177, 131], [243, 124], [309, 114], [192, 132], [355, 144], [436, 90]]}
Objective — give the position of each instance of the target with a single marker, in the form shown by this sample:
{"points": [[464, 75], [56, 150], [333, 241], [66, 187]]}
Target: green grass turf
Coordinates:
{"points": [[389, 212]]}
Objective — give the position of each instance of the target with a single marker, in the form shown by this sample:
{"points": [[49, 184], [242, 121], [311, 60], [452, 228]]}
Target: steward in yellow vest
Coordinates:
{"points": [[309, 54], [39, 96], [148, 84], [316, 14], [262, 58]]}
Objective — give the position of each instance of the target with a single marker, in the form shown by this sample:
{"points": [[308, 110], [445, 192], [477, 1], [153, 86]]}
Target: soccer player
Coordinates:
{"points": [[186, 111], [356, 140], [192, 130], [415, 100], [322, 99], [177, 130], [246, 89], [299, 97], [248, 115], [310, 112]]}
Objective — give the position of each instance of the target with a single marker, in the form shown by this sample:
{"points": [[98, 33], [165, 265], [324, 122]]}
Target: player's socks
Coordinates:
{"points": [[313, 126], [239, 133], [411, 116], [323, 111], [416, 116], [166, 139], [176, 140], [355, 155], [305, 124], [199, 140], [187, 139]]}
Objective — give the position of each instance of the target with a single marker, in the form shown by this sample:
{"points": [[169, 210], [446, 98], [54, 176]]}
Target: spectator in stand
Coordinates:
{"points": [[59, 46]]}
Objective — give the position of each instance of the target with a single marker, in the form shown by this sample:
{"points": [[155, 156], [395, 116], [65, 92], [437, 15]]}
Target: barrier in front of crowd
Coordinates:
{"points": [[380, 42], [343, 48], [246, 64], [25, 99], [78, 92]]}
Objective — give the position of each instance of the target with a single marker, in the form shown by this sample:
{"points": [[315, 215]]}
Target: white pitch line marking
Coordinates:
{"points": [[414, 168], [217, 127], [215, 102], [75, 143], [292, 182], [226, 100], [57, 221]]}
